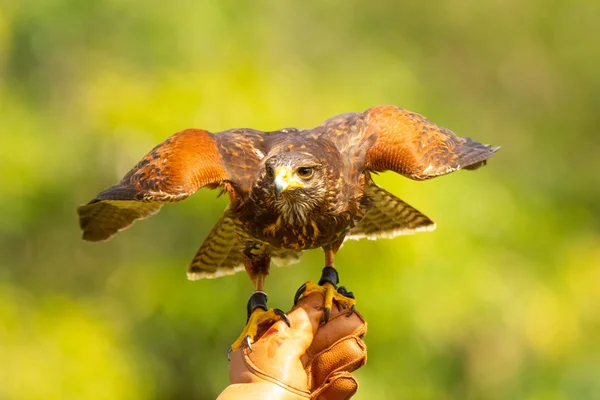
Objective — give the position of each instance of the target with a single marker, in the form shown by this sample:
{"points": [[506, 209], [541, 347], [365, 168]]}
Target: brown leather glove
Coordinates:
{"points": [[304, 361]]}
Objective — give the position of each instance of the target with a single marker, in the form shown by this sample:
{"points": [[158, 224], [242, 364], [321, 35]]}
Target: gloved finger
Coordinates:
{"points": [[346, 355], [293, 340], [339, 326], [339, 386]]}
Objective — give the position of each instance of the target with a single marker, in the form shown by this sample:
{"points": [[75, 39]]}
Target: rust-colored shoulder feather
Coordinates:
{"points": [[172, 171], [415, 147]]}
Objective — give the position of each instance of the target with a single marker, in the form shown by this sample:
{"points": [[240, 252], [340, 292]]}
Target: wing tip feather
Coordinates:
{"points": [[96, 218], [118, 192], [485, 151], [196, 273], [393, 233]]}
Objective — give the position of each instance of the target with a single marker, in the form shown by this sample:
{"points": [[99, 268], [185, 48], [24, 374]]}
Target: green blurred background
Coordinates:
{"points": [[500, 302]]}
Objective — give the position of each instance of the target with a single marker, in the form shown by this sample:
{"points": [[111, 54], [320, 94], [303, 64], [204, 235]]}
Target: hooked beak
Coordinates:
{"points": [[284, 181]]}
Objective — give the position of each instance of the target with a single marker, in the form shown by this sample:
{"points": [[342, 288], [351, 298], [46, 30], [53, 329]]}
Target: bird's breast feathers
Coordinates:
{"points": [[293, 228]]}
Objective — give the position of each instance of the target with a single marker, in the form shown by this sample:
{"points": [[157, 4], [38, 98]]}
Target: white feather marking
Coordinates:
{"points": [[426, 170], [284, 262], [391, 233], [259, 153], [194, 276]]}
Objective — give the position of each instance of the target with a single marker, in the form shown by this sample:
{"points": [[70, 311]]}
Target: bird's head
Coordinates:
{"points": [[295, 183], [296, 177]]}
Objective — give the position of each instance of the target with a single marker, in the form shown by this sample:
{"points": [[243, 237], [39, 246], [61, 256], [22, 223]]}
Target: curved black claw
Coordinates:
{"points": [[283, 316], [344, 292], [247, 343], [326, 314], [351, 311], [299, 293], [329, 275]]}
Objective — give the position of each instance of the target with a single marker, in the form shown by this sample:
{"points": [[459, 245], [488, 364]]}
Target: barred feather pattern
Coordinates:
{"points": [[262, 224], [220, 254], [389, 217], [100, 219]]}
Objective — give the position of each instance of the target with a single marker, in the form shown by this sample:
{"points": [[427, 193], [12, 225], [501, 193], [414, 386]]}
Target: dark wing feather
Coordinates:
{"points": [[411, 145], [172, 171], [389, 217], [220, 254], [101, 219]]}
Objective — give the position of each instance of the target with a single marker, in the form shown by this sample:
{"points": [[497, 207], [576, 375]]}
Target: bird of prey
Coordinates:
{"points": [[290, 190]]}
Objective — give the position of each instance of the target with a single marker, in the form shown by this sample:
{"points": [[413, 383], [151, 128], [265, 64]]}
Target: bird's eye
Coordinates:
{"points": [[305, 172], [270, 172]]}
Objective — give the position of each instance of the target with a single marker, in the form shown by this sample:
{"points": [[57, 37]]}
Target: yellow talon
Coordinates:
{"points": [[330, 293], [257, 318]]}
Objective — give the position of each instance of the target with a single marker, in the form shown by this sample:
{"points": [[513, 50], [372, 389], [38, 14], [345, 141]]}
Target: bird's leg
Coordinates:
{"points": [[258, 315], [328, 287]]}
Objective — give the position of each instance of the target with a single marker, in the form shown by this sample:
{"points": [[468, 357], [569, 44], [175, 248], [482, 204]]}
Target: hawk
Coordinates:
{"points": [[290, 190]]}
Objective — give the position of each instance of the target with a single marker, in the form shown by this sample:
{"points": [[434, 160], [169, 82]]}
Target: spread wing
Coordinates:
{"points": [[220, 254], [172, 171], [411, 145], [389, 217]]}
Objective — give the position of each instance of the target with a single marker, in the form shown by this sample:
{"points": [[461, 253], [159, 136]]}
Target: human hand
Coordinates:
{"points": [[304, 361]]}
